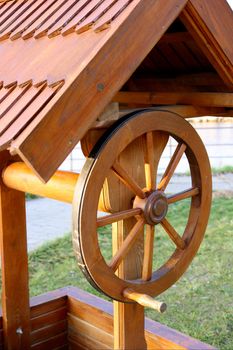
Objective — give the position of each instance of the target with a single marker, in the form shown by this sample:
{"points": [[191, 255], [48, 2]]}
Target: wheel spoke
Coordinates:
{"points": [[127, 245], [183, 195], [150, 162], [127, 179], [122, 215], [172, 166], [179, 242], [148, 253]]}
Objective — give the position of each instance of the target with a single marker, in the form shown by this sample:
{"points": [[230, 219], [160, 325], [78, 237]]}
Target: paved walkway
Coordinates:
{"points": [[48, 219]]}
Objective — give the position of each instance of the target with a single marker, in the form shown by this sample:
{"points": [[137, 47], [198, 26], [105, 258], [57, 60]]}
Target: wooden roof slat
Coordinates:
{"points": [[7, 7], [16, 15], [36, 14], [183, 49], [12, 98], [21, 20], [161, 60], [51, 10], [91, 19], [11, 10], [28, 114], [172, 57], [60, 13], [75, 107], [111, 14], [19, 106], [197, 54], [81, 15], [70, 15], [4, 92]]}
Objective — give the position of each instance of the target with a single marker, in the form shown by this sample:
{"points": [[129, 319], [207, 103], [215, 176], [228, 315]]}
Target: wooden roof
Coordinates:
{"points": [[62, 62]]}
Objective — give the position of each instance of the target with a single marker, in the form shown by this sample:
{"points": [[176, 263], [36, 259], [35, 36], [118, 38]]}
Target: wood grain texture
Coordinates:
{"points": [[212, 32], [15, 292], [85, 87], [202, 99], [130, 135], [92, 312], [78, 23]]}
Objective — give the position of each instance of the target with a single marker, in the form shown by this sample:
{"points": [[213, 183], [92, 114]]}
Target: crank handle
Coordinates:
{"points": [[145, 300]]}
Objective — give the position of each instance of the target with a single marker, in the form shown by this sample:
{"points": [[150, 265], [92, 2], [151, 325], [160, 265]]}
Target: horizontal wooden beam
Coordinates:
{"points": [[184, 111], [61, 186], [178, 81], [171, 38], [210, 99]]}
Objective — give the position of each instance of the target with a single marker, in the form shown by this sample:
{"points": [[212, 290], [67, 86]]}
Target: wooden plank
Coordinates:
{"points": [[95, 89], [190, 111], [90, 308], [49, 331], [51, 343], [15, 292], [212, 32], [46, 307], [84, 342], [42, 301], [93, 332], [211, 99], [48, 318]]}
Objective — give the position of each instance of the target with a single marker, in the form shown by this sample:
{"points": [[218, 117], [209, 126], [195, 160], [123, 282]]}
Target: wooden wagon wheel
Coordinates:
{"points": [[148, 204]]}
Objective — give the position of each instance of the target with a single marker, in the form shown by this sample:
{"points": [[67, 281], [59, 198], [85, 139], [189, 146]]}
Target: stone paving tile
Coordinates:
{"points": [[48, 219]]}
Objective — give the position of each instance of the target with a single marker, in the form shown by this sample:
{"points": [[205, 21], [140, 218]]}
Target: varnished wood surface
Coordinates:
{"points": [[90, 321], [94, 89], [87, 313], [212, 32], [203, 99], [14, 266], [127, 246], [33, 32], [102, 160]]}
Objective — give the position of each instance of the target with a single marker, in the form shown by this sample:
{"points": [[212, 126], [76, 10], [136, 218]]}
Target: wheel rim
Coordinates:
{"points": [[149, 205]]}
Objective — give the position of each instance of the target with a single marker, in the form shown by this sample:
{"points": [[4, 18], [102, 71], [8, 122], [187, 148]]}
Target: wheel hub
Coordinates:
{"points": [[154, 207]]}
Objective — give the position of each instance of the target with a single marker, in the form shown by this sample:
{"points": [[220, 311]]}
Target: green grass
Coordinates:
{"points": [[200, 304], [30, 196], [226, 169], [222, 170]]}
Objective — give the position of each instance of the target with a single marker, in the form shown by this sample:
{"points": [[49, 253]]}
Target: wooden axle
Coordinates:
{"points": [[60, 187], [145, 300]]}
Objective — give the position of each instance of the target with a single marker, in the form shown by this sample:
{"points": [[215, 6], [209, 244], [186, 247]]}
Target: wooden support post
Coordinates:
{"points": [[15, 293], [129, 327]]}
